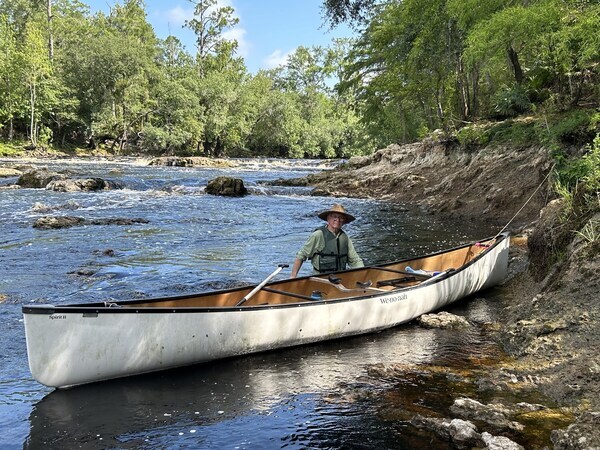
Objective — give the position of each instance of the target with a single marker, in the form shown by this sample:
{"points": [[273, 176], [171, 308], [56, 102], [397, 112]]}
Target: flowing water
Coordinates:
{"points": [[317, 396]]}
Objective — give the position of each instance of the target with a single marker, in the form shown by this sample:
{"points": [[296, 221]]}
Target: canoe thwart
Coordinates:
{"points": [[396, 281]]}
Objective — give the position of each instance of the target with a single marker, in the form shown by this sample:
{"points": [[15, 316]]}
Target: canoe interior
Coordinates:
{"points": [[362, 282]]}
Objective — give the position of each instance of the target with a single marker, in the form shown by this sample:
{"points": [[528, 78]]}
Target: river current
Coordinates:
{"points": [[316, 396]]}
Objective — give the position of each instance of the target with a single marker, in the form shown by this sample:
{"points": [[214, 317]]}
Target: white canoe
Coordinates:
{"points": [[75, 344]]}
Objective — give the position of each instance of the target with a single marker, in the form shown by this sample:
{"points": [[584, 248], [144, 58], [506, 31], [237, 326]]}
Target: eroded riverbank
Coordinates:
{"points": [[550, 324]]}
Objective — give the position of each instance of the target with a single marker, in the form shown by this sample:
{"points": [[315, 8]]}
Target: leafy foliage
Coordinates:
{"points": [[445, 63], [417, 66], [111, 82], [511, 101]]}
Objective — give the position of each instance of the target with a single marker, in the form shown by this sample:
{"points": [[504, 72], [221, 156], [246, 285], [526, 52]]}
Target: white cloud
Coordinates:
{"points": [[239, 34], [178, 15], [277, 58]]}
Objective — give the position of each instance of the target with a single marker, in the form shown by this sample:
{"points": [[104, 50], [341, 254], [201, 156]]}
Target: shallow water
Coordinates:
{"points": [[317, 396]]}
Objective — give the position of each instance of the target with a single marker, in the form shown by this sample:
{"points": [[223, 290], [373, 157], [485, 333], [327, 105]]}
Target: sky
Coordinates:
{"points": [[267, 32]]}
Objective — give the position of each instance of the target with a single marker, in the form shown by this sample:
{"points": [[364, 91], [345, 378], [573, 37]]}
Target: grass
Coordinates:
{"points": [[556, 131], [590, 232], [11, 150]]}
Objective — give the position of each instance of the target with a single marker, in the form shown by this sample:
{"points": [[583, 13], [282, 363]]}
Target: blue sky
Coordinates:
{"points": [[267, 32]]}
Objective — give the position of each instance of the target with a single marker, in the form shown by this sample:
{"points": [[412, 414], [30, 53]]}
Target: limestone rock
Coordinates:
{"points": [[226, 186], [38, 179], [499, 442], [442, 320], [82, 184]]}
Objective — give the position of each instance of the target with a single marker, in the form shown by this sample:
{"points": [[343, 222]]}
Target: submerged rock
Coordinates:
{"points": [[49, 222], [43, 208], [442, 320]]}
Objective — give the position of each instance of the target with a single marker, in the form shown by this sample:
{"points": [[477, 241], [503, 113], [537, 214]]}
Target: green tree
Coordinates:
{"points": [[352, 11], [277, 128], [575, 53], [9, 76], [209, 24], [177, 123], [304, 70], [402, 70], [225, 109], [510, 35], [35, 71]]}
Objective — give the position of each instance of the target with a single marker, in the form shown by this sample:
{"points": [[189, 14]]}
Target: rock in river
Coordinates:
{"points": [[38, 178], [53, 222], [82, 184], [227, 186], [442, 320]]}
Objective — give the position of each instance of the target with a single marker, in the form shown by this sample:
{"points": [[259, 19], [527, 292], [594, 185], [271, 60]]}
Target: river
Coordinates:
{"points": [[316, 396]]}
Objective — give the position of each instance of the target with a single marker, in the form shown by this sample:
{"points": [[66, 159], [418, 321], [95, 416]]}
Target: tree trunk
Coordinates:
{"points": [[474, 92], [32, 124], [50, 33], [462, 86], [513, 57], [439, 95]]}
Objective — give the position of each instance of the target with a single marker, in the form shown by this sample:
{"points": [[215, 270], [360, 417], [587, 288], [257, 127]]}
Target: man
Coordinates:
{"points": [[328, 247]]}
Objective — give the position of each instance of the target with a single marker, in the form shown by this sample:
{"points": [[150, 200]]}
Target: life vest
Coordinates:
{"points": [[334, 256]]}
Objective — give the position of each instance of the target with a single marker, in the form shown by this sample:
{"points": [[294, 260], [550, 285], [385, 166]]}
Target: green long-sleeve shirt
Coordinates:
{"points": [[316, 243]]}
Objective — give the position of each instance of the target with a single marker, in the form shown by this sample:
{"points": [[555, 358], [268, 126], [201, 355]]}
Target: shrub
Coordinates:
{"points": [[510, 101], [574, 127]]}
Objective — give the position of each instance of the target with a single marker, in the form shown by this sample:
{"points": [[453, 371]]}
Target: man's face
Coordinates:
{"points": [[335, 221]]}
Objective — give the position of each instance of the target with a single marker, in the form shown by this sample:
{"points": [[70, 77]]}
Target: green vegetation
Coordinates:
{"points": [[72, 79], [562, 132], [9, 149], [492, 73], [444, 64]]}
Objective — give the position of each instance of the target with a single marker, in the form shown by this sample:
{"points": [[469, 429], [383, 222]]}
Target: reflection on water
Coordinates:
{"points": [[299, 398]]}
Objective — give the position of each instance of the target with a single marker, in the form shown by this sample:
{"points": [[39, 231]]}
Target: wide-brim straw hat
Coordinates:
{"points": [[337, 209]]}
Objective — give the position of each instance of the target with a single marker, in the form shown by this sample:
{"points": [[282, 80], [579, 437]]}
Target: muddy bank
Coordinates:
{"points": [[550, 325], [436, 175]]}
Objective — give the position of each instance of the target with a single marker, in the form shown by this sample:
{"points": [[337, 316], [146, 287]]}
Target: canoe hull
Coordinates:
{"points": [[71, 346]]}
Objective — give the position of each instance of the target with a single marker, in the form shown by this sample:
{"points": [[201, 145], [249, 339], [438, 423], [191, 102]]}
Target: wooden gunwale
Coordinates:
{"points": [[148, 305]]}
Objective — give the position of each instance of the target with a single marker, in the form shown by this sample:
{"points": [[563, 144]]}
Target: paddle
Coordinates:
{"points": [[260, 286]]}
